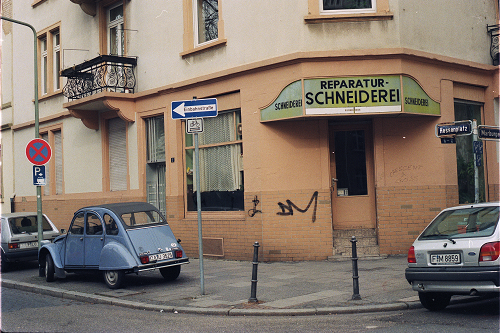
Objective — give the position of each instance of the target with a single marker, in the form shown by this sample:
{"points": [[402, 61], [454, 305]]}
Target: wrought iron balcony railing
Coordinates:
{"points": [[104, 73], [494, 31]]}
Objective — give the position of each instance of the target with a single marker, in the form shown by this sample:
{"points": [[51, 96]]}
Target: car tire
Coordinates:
{"points": [[434, 301], [170, 273], [49, 268], [114, 279]]}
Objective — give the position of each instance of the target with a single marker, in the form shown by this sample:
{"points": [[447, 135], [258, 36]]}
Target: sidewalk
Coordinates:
{"points": [[283, 288]]}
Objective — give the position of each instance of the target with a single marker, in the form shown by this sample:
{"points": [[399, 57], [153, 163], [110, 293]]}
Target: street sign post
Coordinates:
{"points": [[193, 111]]}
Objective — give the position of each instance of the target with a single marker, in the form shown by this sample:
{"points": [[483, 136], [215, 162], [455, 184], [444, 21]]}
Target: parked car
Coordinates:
{"points": [[116, 239], [457, 254], [19, 233]]}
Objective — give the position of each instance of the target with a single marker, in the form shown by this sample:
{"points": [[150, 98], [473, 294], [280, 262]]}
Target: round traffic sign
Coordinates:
{"points": [[38, 151]]}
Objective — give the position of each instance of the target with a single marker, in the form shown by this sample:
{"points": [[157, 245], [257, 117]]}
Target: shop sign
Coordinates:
{"points": [[350, 95]]}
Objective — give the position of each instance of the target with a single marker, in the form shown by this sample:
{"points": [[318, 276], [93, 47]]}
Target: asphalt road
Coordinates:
{"points": [[30, 312]]}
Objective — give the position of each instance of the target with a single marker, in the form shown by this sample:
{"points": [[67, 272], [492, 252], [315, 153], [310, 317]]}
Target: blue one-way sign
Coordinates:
{"points": [[196, 108]]}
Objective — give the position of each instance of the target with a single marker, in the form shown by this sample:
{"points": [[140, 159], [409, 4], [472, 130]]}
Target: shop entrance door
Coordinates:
{"points": [[351, 170]]}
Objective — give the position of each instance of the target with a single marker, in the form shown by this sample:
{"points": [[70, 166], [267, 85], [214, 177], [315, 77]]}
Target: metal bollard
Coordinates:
{"points": [[253, 292], [355, 277]]}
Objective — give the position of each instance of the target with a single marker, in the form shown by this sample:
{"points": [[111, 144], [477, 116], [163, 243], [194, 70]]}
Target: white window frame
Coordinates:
{"points": [[196, 28], [56, 65], [49, 66], [373, 9], [44, 65], [119, 24]]}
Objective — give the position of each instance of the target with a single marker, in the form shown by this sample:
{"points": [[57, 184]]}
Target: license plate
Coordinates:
{"points": [[27, 245], [448, 258], [161, 256]]}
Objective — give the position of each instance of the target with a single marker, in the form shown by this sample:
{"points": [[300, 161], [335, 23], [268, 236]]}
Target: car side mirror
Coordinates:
{"points": [[63, 231], [179, 240]]}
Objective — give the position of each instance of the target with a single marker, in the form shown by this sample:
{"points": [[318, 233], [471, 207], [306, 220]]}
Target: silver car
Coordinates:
{"points": [[457, 254], [19, 233]]}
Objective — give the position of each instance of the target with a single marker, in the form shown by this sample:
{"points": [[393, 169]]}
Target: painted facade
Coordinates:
{"points": [[330, 117]]}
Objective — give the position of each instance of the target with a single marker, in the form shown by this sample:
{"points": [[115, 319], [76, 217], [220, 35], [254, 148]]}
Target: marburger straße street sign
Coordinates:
{"points": [[486, 132]]}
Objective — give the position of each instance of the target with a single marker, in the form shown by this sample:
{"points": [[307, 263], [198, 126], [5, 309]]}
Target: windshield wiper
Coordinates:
{"points": [[452, 240]]}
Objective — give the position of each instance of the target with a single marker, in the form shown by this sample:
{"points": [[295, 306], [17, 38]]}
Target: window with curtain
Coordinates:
{"points": [[115, 31], [155, 166], [221, 167]]}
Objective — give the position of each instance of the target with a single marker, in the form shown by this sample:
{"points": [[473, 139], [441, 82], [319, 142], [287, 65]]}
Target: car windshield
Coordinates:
{"points": [[27, 225], [137, 219], [463, 223]]}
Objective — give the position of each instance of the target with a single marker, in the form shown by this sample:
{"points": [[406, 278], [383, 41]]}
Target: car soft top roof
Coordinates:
{"points": [[125, 207]]}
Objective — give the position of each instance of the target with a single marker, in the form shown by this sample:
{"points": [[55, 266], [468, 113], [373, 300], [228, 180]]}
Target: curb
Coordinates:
{"points": [[89, 298]]}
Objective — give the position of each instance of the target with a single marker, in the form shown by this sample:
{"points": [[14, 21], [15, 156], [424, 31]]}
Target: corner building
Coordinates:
{"points": [[326, 125]]}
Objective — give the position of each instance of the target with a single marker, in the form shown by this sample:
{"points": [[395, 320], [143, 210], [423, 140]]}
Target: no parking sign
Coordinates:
{"points": [[38, 151]]}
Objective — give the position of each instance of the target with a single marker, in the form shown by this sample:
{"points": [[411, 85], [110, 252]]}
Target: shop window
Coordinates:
{"points": [[347, 6], [221, 168], [465, 155], [49, 45], [54, 168], [117, 154], [155, 166]]}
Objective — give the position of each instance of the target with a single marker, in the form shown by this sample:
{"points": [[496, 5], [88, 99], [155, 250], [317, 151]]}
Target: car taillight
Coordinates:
{"points": [[489, 251], [178, 253], [411, 256], [13, 246], [144, 259]]}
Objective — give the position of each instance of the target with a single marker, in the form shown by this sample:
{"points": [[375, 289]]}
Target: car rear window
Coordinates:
{"points": [[138, 219], [27, 225], [463, 223]]}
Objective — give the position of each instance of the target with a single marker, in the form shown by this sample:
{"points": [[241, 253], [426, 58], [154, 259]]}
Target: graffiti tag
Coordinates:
{"points": [[287, 209]]}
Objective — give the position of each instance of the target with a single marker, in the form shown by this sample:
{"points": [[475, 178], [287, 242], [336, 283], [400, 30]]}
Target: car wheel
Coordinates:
{"points": [[49, 268], [170, 273], [114, 279], [434, 301]]}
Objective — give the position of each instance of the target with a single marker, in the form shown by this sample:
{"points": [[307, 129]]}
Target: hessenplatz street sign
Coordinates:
{"points": [[455, 128]]}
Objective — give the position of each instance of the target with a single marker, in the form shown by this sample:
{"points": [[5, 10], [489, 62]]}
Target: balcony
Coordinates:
{"points": [[105, 73]]}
